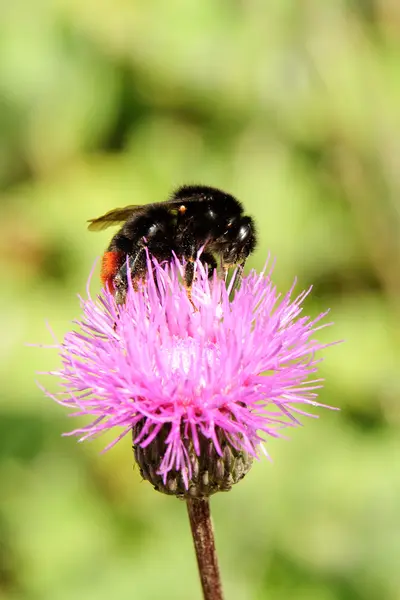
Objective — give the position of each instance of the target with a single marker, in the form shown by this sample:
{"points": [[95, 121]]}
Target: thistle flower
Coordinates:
{"points": [[201, 383]]}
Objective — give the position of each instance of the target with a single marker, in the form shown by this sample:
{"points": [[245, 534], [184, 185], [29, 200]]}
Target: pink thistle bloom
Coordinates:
{"points": [[208, 375]]}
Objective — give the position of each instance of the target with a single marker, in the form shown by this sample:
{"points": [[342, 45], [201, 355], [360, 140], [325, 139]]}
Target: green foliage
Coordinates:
{"points": [[294, 108]]}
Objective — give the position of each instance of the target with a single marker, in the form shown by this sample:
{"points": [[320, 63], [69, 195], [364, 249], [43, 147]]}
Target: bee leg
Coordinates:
{"points": [[209, 262], [222, 269], [237, 277], [189, 277], [137, 269]]}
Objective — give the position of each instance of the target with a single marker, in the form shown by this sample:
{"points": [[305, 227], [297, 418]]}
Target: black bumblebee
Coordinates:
{"points": [[195, 217]]}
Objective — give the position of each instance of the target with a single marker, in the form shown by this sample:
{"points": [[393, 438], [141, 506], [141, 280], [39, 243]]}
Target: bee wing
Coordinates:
{"points": [[120, 215], [113, 217]]}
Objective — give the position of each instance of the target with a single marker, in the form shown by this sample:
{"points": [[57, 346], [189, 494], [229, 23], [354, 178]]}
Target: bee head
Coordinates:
{"points": [[238, 241]]}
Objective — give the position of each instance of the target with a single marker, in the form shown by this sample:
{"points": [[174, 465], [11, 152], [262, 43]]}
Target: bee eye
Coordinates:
{"points": [[152, 230], [243, 232]]}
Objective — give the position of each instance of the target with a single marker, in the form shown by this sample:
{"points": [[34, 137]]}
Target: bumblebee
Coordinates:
{"points": [[195, 217]]}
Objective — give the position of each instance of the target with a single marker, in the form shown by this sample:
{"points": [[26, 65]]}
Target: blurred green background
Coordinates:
{"points": [[294, 108]]}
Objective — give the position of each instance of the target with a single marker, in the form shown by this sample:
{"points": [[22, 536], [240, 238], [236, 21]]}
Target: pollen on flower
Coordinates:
{"points": [[201, 384]]}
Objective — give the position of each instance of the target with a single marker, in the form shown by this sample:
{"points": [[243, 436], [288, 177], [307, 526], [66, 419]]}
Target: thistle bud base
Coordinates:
{"points": [[210, 471]]}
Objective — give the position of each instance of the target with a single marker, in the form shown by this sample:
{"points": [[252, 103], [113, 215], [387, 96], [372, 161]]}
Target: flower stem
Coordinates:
{"points": [[203, 538]]}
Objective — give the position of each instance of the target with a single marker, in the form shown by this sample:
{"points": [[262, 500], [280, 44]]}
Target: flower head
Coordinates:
{"points": [[201, 382]]}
